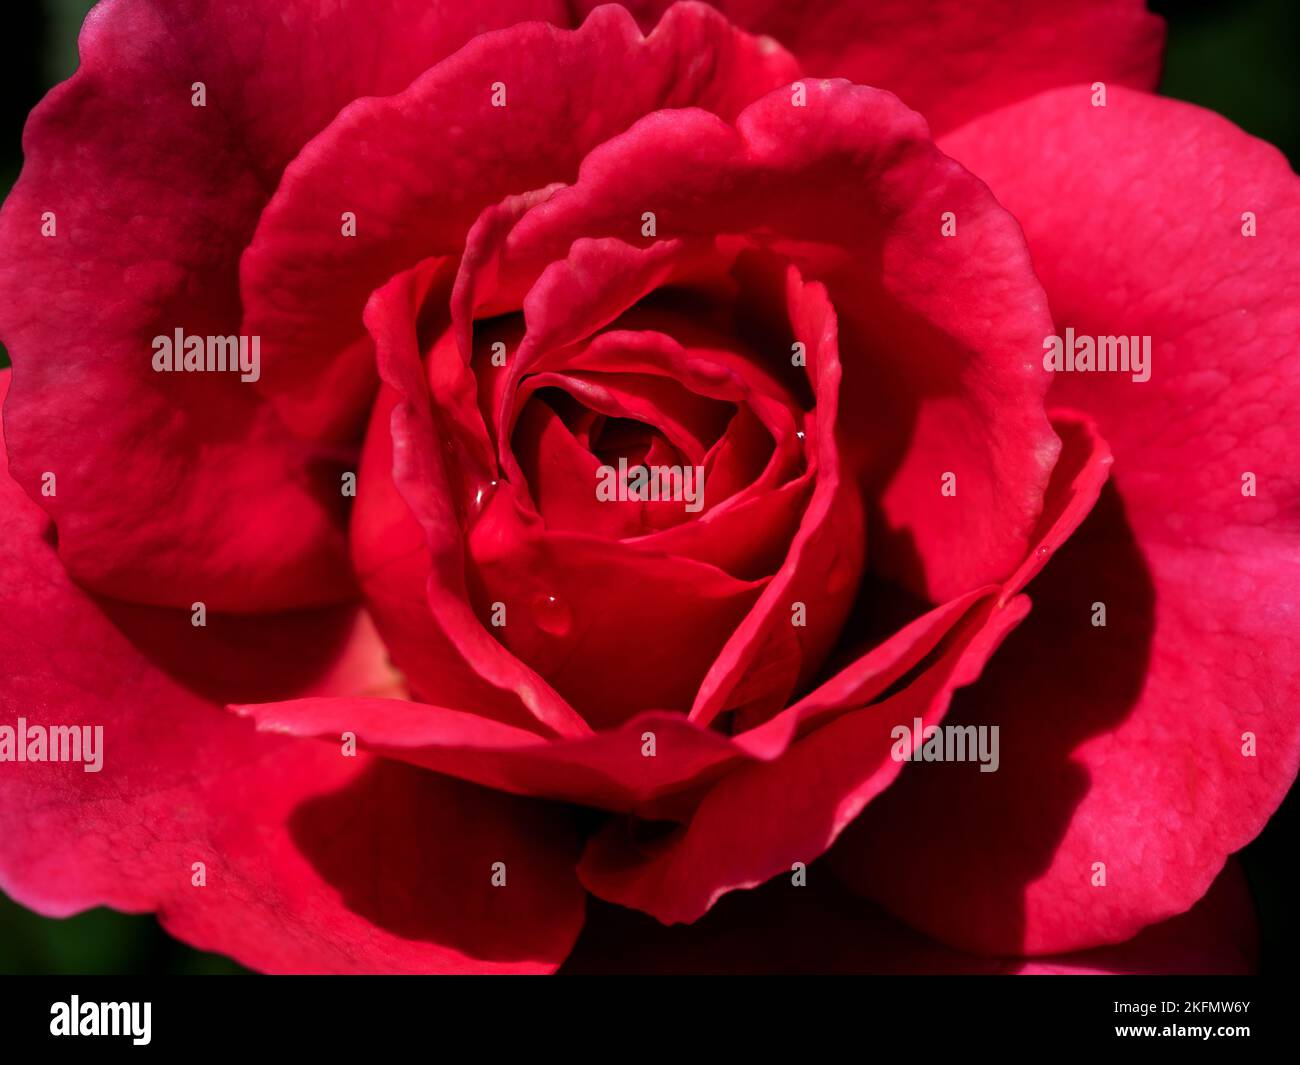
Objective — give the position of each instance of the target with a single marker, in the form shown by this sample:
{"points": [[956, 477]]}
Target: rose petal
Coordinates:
{"points": [[560, 474], [294, 837], [761, 818], [392, 561], [447, 153], [954, 59], [559, 632], [424, 478], [567, 599], [821, 928], [610, 769], [937, 335], [1139, 764], [153, 200], [769, 655]]}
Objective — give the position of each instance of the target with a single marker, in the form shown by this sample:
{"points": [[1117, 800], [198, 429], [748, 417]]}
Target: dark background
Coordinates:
{"points": [[1238, 57]]}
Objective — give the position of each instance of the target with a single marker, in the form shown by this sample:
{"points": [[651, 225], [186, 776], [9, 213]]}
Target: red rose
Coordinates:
{"points": [[423, 420]]}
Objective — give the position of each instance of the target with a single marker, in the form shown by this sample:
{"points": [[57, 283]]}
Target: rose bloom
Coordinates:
{"points": [[648, 478]]}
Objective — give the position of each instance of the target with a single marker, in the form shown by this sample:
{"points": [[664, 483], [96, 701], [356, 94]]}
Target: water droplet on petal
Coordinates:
{"points": [[552, 615], [483, 494]]}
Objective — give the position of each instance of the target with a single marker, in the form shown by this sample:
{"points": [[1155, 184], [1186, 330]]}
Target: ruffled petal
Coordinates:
{"points": [[954, 59], [1148, 750], [152, 199], [270, 850]]}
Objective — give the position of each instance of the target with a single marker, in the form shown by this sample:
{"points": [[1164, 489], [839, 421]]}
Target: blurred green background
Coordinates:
{"points": [[1237, 57]]}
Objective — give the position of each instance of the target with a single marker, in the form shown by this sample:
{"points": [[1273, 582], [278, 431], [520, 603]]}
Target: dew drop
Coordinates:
{"points": [[483, 493], [552, 615]]}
